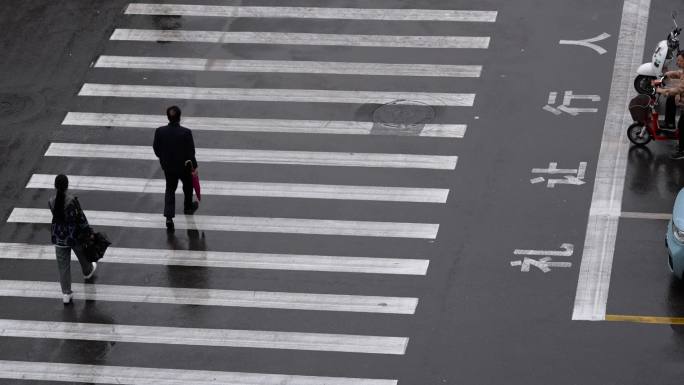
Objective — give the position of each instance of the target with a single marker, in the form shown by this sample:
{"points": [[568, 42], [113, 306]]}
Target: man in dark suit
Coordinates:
{"points": [[174, 146]]}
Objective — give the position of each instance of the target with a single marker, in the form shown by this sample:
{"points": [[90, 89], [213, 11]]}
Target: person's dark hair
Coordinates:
{"points": [[61, 184], [174, 114]]}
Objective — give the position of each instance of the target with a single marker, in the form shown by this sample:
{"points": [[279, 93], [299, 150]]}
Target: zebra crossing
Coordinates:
{"points": [[227, 138]]}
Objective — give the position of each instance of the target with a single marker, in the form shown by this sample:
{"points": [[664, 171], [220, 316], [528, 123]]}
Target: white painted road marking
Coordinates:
{"points": [[313, 13], [543, 264], [589, 43], [606, 202], [247, 224], [568, 249], [322, 39], [254, 125], [213, 297], [308, 158], [203, 337], [49, 371], [274, 95], [285, 66], [250, 189], [294, 262], [656, 216]]}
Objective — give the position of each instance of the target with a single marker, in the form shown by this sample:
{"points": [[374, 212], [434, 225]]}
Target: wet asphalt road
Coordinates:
{"points": [[479, 320]]}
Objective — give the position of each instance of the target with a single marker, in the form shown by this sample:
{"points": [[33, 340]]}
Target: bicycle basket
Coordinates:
{"points": [[639, 108]]}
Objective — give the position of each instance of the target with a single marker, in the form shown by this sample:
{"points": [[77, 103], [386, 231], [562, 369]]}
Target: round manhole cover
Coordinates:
{"points": [[15, 107], [403, 116]]}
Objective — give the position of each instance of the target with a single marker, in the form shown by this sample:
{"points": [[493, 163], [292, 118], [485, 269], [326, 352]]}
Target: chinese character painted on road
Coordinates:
{"points": [[575, 177]]}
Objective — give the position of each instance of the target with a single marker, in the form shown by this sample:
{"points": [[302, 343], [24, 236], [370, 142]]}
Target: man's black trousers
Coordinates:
{"points": [[172, 177], [670, 114]]}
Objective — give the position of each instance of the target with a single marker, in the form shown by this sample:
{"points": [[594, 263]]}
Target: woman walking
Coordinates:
{"points": [[69, 224]]}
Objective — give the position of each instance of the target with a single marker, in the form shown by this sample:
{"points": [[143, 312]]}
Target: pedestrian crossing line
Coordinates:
{"points": [[242, 224], [224, 155], [204, 337], [274, 95], [312, 13], [257, 125], [262, 261], [290, 38], [285, 66], [213, 297], [250, 189], [99, 374]]}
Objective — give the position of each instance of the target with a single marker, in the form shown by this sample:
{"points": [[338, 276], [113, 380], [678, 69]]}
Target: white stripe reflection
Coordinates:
{"points": [[213, 297], [243, 224], [323, 39], [48, 371], [203, 337], [313, 13], [284, 66], [274, 95], [294, 262], [260, 125], [302, 158], [250, 189]]}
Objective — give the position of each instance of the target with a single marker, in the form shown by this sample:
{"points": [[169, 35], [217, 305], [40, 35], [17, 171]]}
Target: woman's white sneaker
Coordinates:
{"points": [[66, 298]]}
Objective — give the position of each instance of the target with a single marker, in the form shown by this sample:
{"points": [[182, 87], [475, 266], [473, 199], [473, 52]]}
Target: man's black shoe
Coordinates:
{"points": [[169, 224], [191, 210], [677, 155]]}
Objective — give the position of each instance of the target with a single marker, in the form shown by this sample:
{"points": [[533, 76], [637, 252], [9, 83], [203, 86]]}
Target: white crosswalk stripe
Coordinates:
{"points": [[273, 95], [310, 158], [254, 125], [203, 337], [294, 262], [250, 189], [311, 12], [99, 374], [321, 39], [214, 297], [285, 66], [249, 224]]}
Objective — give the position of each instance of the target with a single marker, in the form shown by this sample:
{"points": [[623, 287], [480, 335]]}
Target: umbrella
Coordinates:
{"points": [[196, 185], [195, 179]]}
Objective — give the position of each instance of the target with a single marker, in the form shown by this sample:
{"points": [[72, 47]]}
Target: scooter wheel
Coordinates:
{"points": [[642, 84], [638, 134]]}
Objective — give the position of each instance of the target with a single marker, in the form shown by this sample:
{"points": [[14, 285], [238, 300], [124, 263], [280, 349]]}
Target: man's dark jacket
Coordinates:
{"points": [[173, 145]]}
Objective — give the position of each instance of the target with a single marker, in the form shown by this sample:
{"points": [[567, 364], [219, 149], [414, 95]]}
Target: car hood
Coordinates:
{"points": [[678, 210]]}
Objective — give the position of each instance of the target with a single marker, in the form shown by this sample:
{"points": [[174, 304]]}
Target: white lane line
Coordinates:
{"points": [[313, 12], [636, 215], [274, 95], [203, 337], [323, 39], [285, 66], [250, 189], [213, 297], [255, 125], [606, 201], [243, 224], [98, 374], [309, 158], [294, 262]]}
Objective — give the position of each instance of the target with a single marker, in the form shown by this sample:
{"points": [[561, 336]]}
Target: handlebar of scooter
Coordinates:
{"points": [[660, 82]]}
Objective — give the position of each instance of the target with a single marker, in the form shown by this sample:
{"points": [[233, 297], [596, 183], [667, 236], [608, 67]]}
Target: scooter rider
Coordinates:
{"points": [[675, 97]]}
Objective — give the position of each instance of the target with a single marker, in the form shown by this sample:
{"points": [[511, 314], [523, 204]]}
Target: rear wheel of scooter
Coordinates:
{"points": [[638, 134], [642, 84]]}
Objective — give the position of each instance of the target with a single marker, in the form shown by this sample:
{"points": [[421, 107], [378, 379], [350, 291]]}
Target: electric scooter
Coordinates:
{"points": [[662, 55], [644, 110]]}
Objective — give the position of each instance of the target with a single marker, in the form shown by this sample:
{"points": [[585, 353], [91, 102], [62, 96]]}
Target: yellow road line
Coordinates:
{"points": [[645, 319]]}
